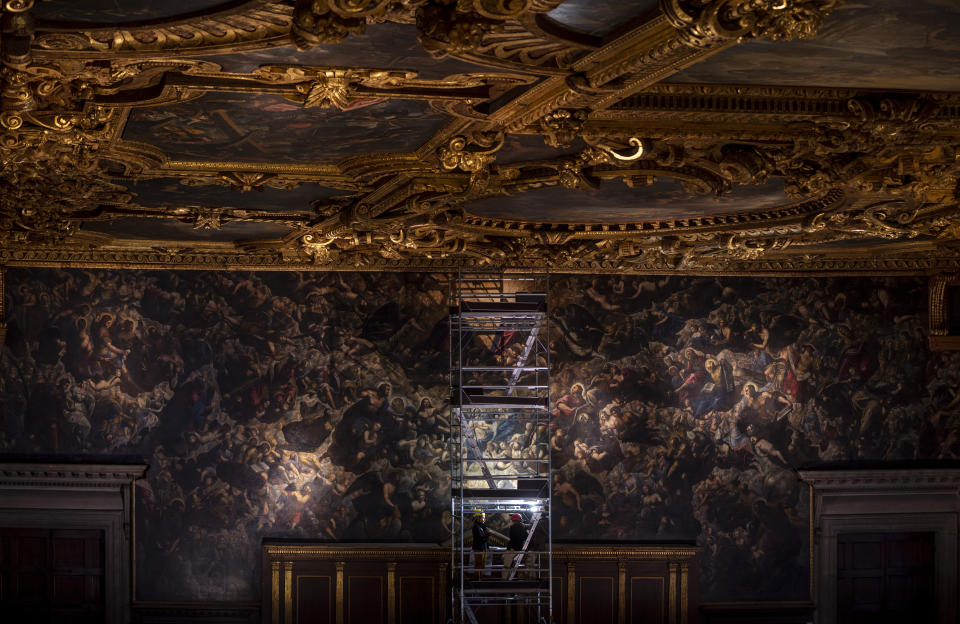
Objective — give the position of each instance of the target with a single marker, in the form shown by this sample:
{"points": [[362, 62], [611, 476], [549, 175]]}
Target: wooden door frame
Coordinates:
{"points": [[79, 496], [884, 501]]}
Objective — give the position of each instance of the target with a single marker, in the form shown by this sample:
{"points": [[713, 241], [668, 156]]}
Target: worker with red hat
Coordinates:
{"points": [[518, 539]]}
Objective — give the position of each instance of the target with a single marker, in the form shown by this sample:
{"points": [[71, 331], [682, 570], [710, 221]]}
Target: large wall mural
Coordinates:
{"points": [[274, 404], [312, 405]]}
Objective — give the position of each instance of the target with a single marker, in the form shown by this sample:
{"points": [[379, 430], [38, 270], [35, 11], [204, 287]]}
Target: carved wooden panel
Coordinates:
{"points": [[52, 576], [885, 577], [315, 598], [597, 600], [647, 596], [417, 598], [365, 600], [76, 514], [351, 583]]}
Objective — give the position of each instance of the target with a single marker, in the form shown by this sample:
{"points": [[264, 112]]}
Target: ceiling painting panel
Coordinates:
{"points": [[187, 230], [268, 128], [160, 192], [382, 46], [582, 135], [615, 202], [881, 44], [120, 11], [599, 17], [526, 147]]}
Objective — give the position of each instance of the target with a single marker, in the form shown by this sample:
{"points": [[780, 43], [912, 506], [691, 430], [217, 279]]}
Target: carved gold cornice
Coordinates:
{"points": [[254, 24], [865, 170], [304, 551]]}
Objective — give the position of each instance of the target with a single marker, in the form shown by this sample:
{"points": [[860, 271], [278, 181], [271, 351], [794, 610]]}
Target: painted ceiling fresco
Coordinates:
{"points": [[120, 11], [878, 44], [269, 128], [170, 192], [599, 17], [169, 231], [615, 202], [526, 147], [427, 109], [387, 46]]}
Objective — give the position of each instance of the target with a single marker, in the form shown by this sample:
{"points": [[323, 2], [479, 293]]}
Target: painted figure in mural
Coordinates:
{"points": [[267, 409]]}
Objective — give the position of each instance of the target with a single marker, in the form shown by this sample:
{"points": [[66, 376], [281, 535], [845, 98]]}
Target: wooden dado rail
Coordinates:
{"points": [[306, 583]]}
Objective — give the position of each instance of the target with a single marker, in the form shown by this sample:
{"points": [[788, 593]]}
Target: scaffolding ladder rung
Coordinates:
{"points": [[493, 369]]}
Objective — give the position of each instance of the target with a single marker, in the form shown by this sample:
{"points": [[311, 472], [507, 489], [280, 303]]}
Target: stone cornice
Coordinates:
{"points": [[881, 479], [69, 475]]}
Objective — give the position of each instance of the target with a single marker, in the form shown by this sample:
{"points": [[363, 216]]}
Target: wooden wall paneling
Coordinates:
{"points": [[559, 596], [315, 598], [444, 598], [597, 599], [672, 582], [365, 593], [418, 597], [339, 592], [646, 599], [73, 504], [349, 583], [196, 613]]}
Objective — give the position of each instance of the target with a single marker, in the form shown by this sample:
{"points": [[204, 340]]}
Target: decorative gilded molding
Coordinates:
{"points": [[704, 22], [862, 166], [275, 591], [684, 589], [392, 593], [287, 592], [672, 592], [339, 592], [253, 24], [621, 592]]}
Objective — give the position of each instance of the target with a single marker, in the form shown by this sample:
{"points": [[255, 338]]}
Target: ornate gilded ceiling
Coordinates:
{"points": [[741, 136]]}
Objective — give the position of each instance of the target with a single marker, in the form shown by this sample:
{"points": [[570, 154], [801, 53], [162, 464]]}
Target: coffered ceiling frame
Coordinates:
{"points": [[871, 173]]}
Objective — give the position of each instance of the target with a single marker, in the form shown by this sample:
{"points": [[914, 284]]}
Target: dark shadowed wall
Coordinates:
{"points": [[313, 405]]}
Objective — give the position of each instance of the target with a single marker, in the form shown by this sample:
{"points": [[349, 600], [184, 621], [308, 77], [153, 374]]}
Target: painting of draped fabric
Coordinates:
{"points": [[314, 405]]}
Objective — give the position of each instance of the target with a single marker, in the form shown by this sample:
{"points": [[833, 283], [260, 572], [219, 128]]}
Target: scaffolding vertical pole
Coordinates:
{"points": [[500, 461]]}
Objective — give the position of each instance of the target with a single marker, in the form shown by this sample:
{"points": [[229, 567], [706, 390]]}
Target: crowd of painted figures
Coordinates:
{"points": [[683, 406], [287, 404], [314, 405]]}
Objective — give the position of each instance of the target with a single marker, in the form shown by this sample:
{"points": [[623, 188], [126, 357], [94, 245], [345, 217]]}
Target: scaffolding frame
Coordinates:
{"points": [[500, 441]]}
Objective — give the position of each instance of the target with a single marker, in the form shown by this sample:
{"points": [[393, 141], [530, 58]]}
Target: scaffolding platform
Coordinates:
{"points": [[500, 453]]}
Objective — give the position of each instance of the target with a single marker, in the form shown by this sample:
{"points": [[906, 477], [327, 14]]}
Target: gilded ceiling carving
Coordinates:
{"points": [[868, 177]]}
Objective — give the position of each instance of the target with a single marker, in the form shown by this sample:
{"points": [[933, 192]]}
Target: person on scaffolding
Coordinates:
{"points": [[518, 539], [481, 541]]}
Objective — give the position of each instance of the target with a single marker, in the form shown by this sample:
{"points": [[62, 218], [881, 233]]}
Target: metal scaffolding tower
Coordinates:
{"points": [[500, 451]]}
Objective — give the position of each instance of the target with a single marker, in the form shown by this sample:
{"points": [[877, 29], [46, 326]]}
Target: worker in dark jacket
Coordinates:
{"points": [[518, 539], [481, 539]]}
